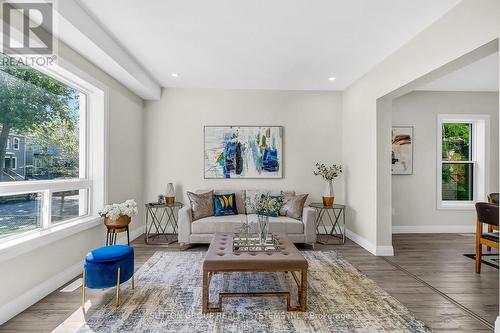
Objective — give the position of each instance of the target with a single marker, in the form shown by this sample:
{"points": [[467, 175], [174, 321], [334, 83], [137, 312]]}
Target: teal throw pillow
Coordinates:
{"points": [[270, 212]]}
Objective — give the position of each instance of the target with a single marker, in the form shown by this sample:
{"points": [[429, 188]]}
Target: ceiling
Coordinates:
{"points": [[481, 75], [262, 44]]}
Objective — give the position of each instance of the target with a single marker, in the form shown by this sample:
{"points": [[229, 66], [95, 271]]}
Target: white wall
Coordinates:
{"points": [[27, 277], [174, 136], [414, 196], [466, 27]]}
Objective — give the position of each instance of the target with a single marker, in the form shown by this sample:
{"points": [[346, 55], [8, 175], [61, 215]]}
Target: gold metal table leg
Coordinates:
{"points": [[301, 286], [118, 287], [83, 287]]}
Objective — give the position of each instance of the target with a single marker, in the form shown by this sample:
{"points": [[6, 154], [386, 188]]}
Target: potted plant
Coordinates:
{"points": [[265, 205], [328, 173], [118, 216]]}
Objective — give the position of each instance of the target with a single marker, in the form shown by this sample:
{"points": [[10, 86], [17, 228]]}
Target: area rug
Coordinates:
{"points": [[490, 259], [168, 294]]}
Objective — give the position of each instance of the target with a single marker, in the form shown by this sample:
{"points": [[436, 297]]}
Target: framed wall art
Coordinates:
{"points": [[243, 152], [402, 150]]}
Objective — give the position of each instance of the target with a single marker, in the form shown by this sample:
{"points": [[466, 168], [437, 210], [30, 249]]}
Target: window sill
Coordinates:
{"points": [[456, 206], [23, 244]]}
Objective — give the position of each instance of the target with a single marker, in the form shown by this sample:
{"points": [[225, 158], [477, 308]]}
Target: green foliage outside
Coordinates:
{"points": [[43, 109], [457, 177]]}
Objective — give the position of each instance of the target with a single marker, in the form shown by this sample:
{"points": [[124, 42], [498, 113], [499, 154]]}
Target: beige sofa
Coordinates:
{"points": [[202, 230]]}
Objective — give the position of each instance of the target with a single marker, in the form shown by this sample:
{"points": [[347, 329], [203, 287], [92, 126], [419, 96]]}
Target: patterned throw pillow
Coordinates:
{"points": [[225, 204], [202, 205], [257, 193], [294, 204], [279, 198]]}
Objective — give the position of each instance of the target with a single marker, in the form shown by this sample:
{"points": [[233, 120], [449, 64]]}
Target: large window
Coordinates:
{"points": [[461, 160], [44, 181]]}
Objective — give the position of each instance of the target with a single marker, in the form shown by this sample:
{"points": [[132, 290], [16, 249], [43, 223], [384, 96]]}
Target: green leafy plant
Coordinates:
{"points": [[34, 103], [328, 172]]}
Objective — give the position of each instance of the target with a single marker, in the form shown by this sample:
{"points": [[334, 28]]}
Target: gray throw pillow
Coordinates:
{"points": [[202, 205], [294, 204]]}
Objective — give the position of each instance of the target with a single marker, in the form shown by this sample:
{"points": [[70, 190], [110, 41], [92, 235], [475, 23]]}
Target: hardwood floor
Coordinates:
{"points": [[428, 274]]}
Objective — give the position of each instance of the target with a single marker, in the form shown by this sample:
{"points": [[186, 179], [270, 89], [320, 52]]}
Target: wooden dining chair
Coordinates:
{"points": [[492, 198], [486, 213]]}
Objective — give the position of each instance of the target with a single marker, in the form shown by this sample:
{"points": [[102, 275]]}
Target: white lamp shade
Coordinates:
{"points": [[170, 190]]}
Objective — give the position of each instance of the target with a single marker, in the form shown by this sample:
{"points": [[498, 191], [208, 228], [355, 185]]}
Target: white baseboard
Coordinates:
{"points": [[384, 251], [32, 296], [497, 325], [433, 229], [24, 301]]}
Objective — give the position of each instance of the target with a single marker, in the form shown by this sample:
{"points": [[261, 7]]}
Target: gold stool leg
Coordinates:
{"points": [[83, 287], [118, 287]]}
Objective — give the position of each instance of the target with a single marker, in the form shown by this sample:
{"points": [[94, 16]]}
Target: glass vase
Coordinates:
{"points": [[328, 195], [263, 228]]}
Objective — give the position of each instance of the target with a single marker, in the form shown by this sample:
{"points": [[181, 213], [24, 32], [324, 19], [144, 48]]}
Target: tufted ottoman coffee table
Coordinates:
{"points": [[221, 258]]}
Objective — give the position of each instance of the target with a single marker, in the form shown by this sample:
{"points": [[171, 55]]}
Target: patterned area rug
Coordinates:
{"points": [[167, 298]]}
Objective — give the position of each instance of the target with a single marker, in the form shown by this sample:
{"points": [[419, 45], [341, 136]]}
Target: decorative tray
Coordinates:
{"points": [[251, 243]]}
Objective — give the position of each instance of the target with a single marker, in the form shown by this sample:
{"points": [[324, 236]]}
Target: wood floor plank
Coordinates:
{"points": [[435, 259]]}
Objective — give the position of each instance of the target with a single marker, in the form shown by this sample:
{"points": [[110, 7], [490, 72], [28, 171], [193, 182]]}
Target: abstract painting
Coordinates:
{"points": [[402, 150], [243, 152]]}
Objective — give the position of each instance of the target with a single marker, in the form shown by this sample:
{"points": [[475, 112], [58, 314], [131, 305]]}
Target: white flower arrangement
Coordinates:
{"points": [[265, 204], [328, 172], [114, 211]]}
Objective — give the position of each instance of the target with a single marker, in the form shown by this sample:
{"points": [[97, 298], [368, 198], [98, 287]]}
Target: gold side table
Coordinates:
{"points": [[337, 230], [161, 223]]}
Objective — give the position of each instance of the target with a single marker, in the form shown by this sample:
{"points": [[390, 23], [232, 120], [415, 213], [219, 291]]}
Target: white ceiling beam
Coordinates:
{"points": [[79, 30]]}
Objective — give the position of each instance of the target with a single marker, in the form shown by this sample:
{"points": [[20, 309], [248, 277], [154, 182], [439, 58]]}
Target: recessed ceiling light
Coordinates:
{"points": [[331, 78], [175, 75]]}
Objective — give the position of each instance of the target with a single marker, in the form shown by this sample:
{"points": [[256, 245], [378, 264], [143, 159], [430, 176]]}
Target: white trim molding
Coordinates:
{"points": [[33, 240], [381, 250], [479, 145], [497, 325], [433, 229], [24, 301]]}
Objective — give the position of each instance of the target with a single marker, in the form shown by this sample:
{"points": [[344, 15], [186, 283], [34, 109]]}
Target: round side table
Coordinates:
{"points": [[333, 213]]}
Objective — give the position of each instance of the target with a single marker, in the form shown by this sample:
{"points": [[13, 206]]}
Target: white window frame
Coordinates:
{"points": [[480, 158], [14, 165], [16, 143], [93, 168], [8, 143]]}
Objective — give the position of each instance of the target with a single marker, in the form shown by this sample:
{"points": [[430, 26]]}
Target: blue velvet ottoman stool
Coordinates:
{"points": [[106, 267]]}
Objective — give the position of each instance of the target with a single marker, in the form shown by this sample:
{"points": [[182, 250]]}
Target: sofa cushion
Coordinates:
{"points": [[281, 224], [211, 224], [294, 205], [202, 205], [240, 197], [225, 204]]}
